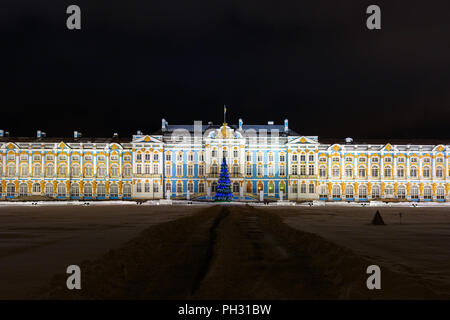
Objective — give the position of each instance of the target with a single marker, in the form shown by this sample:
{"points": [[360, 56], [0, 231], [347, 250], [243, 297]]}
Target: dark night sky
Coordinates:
{"points": [[313, 62]]}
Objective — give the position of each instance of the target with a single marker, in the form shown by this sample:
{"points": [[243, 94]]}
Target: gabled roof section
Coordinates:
{"points": [[145, 139], [303, 140]]}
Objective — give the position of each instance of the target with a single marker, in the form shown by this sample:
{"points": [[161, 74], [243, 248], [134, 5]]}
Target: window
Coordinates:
{"points": [[139, 157], [114, 157], [127, 158], [139, 187], [100, 158], [389, 191], [49, 157], [75, 170], [322, 159], [401, 172], [336, 191], [387, 171], [249, 157], [179, 170], [426, 160], [37, 157], [362, 159], [375, 172], [311, 169], [439, 172], [147, 157], [224, 153], [375, 191], [37, 170], [168, 187], [294, 157], [201, 157], [259, 170], [23, 189], [214, 169], [236, 187], [179, 187], [260, 157], [303, 170], [101, 190], [11, 170], [236, 154], [75, 190], [294, 188], [375, 160], [348, 171], [190, 157], [49, 190], [214, 153], [168, 157], [388, 159], [426, 172], [180, 156], [413, 160], [127, 190], [311, 157], [190, 187], [147, 187], [294, 169], [413, 172], [236, 170], [348, 159], [168, 170], [362, 193], [282, 157], [428, 193], [201, 187], [87, 190], [87, 157], [156, 156], [248, 170], [282, 171], [101, 170], [323, 192], [335, 171], [62, 170], [36, 188], [113, 191], [322, 171], [362, 172], [349, 192], [311, 188], [155, 187], [155, 168], [138, 169], [75, 157], [127, 171], [190, 170], [23, 157], [401, 160], [24, 170], [439, 160], [270, 170], [440, 193], [61, 190], [114, 170], [270, 157], [11, 157], [336, 159], [214, 187], [302, 158], [201, 170], [303, 188], [10, 190], [147, 168], [49, 170], [88, 171], [401, 192]]}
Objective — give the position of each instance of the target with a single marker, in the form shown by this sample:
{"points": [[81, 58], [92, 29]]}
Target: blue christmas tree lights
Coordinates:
{"points": [[224, 185]]}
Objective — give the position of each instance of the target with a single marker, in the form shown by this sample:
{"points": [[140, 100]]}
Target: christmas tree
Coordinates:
{"points": [[224, 187]]}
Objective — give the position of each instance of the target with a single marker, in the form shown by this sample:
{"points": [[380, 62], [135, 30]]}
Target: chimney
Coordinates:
{"points": [[44, 134], [38, 134], [240, 123], [6, 133], [139, 133], [286, 127], [115, 135], [348, 140], [210, 123], [75, 134], [270, 123], [2, 133], [163, 124]]}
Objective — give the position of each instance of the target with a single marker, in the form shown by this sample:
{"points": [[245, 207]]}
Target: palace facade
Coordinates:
{"points": [[183, 162]]}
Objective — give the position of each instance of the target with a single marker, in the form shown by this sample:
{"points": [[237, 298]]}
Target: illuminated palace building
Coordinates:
{"points": [[183, 162]]}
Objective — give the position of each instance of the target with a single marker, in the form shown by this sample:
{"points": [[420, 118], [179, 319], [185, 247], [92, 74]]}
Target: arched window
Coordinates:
{"points": [[75, 170], [349, 192], [36, 188], [414, 192], [49, 170], [201, 187], [11, 170], [428, 193], [61, 190], [336, 171], [127, 190], [114, 171], [439, 172], [271, 187], [62, 170], [387, 171], [249, 187], [323, 192], [155, 187], [440, 193], [362, 192], [375, 191], [322, 171], [214, 169], [23, 170], [282, 187], [87, 190], [348, 171], [389, 191], [336, 191], [190, 187], [88, 172], [426, 172], [37, 170], [214, 187], [101, 190], [294, 188], [49, 190], [236, 170], [147, 187], [10, 190], [413, 172], [401, 192], [401, 172], [362, 172], [101, 170], [375, 171], [168, 187], [114, 190], [179, 187], [127, 171], [23, 189], [75, 190]]}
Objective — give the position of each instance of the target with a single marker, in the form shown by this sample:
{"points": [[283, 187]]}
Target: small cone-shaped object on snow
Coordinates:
{"points": [[378, 220]]}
